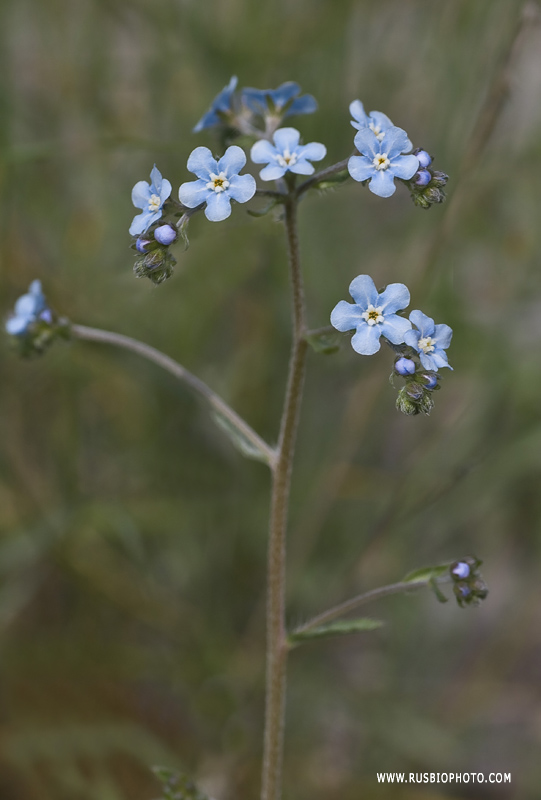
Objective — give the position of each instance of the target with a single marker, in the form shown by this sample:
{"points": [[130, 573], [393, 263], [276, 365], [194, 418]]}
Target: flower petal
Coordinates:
{"points": [[381, 120], [272, 172], [395, 297], [382, 183], [422, 322], [218, 206], [363, 291], [346, 316], [306, 104], [15, 326], [143, 221], [165, 190], [241, 188], [395, 328], [411, 338], [25, 306], [395, 141], [156, 179], [193, 193], [314, 151], [140, 194], [366, 340], [443, 335], [356, 109], [404, 167], [366, 143], [286, 139], [440, 358], [263, 152], [232, 161], [360, 168], [201, 162], [284, 93], [302, 167]]}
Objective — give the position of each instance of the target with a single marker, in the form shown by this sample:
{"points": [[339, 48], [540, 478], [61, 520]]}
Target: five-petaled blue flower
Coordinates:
{"points": [[287, 155], [218, 182], [264, 101], [381, 162], [378, 122], [220, 105], [149, 197], [372, 315], [28, 309], [429, 340]]}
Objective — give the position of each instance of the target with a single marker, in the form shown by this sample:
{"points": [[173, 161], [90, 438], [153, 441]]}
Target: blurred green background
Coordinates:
{"points": [[133, 536]]}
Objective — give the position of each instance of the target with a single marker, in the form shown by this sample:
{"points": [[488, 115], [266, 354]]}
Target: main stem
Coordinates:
{"points": [[277, 647]]}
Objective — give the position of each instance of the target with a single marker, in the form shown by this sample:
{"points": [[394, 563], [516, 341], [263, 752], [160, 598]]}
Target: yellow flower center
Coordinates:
{"points": [[218, 183], [381, 161], [376, 130], [372, 315], [154, 204], [287, 159], [427, 344]]}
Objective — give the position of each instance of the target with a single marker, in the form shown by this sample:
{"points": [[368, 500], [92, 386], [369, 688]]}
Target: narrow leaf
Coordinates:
{"points": [[437, 591], [325, 342], [341, 628], [426, 574], [264, 211], [246, 446]]}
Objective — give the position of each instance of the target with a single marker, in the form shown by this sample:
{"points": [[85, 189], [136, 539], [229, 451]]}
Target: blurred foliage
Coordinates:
{"points": [[133, 535]]}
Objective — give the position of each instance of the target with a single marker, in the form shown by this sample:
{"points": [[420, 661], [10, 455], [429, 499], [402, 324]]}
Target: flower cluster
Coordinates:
{"points": [[426, 186], [418, 341], [468, 585], [32, 325]]}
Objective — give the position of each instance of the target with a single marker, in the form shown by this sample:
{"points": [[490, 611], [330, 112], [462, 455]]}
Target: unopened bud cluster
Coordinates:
{"points": [[426, 186], [468, 584], [155, 261], [415, 397], [32, 325]]}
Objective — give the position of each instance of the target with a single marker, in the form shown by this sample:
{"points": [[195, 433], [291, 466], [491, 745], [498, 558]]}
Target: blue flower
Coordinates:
{"points": [[429, 340], [381, 161], [284, 100], [373, 315], [287, 155], [378, 123], [149, 197], [28, 309], [220, 105], [218, 182]]}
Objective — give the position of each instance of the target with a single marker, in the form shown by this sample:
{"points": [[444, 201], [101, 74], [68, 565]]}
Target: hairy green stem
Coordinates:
{"points": [[180, 372], [277, 648]]}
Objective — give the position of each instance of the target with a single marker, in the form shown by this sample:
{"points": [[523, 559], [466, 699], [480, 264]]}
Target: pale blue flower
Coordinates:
{"points": [[429, 340], [287, 155], [220, 105], [284, 100], [372, 315], [150, 197], [378, 122], [381, 162], [28, 309], [218, 182], [404, 366]]}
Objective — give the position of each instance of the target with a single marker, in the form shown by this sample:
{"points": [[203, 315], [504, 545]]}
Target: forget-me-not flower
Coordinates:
{"points": [[150, 197], [378, 122], [381, 161], [287, 155], [218, 182], [372, 315], [429, 340], [260, 101], [220, 105], [28, 309]]}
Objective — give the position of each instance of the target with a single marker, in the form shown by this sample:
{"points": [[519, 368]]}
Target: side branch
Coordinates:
{"points": [[323, 175], [176, 369]]}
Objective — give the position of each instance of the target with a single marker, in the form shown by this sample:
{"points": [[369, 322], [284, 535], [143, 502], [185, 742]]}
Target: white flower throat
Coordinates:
{"points": [[155, 203], [376, 130], [372, 315], [381, 161], [218, 183], [287, 159], [427, 344]]}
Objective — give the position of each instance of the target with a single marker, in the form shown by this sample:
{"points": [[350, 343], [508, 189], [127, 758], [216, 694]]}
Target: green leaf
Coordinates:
{"points": [[325, 342], [341, 628], [177, 786], [246, 446], [332, 180], [427, 574], [437, 591], [264, 211]]}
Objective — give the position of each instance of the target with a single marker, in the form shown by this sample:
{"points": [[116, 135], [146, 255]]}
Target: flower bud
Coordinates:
{"points": [[424, 158], [165, 234], [404, 366], [460, 570], [405, 405], [423, 178], [414, 391], [431, 381], [141, 245]]}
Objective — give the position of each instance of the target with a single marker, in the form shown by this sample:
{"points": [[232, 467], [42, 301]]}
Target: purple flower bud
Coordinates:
{"points": [[165, 234], [423, 177], [431, 381], [460, 570], [141, 245], [424, 158], [405, 366]]}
